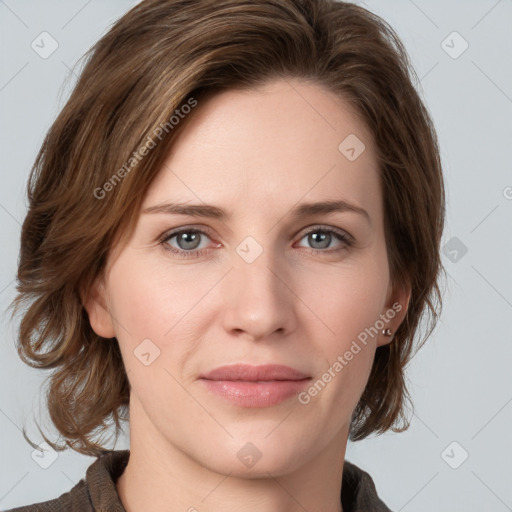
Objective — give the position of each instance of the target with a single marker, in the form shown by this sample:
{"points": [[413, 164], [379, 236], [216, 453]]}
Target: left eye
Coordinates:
{"points": [[321, 238]]}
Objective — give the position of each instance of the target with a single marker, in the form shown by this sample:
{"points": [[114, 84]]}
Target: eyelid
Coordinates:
{"points": [[313, 228], [176, 231]]}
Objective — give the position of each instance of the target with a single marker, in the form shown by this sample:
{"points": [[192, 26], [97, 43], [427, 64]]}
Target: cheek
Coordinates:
{"points": [[347, 299], [149, 299], [159, 303], [137, 305]]}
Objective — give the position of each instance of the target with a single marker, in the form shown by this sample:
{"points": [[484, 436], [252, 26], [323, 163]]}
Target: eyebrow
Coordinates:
{"points": [[300, 212]]}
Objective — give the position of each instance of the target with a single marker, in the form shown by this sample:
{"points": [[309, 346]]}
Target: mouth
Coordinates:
{"points": [[255, 386]]}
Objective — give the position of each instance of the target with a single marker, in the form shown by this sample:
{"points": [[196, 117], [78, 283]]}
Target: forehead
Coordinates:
{"points": [[276, 144]]}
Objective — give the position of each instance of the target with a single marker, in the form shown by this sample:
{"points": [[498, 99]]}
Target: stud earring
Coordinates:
{"points": [[387, 332]]}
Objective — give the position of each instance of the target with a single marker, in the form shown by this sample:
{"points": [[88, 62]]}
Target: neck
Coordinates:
{"points": [[161, 476]]}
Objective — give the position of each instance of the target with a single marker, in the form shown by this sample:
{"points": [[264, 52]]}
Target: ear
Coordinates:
{"points": [[395, 310], [95, 303]]}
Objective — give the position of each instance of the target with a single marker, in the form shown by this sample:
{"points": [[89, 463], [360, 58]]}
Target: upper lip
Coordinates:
{"points": [[250, 373]]}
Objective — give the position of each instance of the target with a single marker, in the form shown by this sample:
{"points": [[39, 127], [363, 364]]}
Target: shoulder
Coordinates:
{"points": [[96, 492], [77, 498], [358, 491]]}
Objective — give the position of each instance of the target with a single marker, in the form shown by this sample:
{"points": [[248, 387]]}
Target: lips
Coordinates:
{"points": [[249, 373], [255, 386]]}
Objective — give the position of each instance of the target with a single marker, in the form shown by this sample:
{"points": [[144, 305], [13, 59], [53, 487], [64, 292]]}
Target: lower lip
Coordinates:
{"points": [[256, 394]]}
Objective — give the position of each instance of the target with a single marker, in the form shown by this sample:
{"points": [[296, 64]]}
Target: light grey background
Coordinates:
{"points": [[461, 380]]}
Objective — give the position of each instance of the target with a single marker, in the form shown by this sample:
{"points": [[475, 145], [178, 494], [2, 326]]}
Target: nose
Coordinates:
{"points": [[258, 298]]}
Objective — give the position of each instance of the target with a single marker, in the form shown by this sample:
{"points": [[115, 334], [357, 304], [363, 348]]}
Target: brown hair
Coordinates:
{"points": [[91, 174]]}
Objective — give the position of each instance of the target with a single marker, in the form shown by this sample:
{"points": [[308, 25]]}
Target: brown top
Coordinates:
{"points": [[98, 491]]}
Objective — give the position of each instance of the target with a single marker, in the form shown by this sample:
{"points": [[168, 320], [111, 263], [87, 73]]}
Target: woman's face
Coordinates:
{"points": [[256, 276]]}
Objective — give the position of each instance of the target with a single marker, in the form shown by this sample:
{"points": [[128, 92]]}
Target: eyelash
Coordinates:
{"points": [[346, 239]]}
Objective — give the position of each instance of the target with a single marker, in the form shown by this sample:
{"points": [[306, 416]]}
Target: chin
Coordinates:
{"points": [[257, 457]]}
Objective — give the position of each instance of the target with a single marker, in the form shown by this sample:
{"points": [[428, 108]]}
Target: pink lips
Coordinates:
{"points": [[255, 386]]}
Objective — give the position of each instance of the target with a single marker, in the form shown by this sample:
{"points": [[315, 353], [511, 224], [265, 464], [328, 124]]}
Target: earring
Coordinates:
{"points": [[387, 332]]}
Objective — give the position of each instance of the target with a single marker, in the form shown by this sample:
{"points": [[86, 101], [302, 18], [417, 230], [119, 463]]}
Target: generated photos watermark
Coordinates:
{"points": [[304, 397], [144, 149]]}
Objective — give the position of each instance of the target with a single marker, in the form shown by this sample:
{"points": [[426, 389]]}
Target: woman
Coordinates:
{"points": [[233, 233]]}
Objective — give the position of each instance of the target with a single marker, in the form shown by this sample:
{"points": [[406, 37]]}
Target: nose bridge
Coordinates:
{"points": [[259, 274], [257, 300]]}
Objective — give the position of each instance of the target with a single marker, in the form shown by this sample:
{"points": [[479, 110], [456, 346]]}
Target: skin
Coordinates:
{"points": [[256, 154]]}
